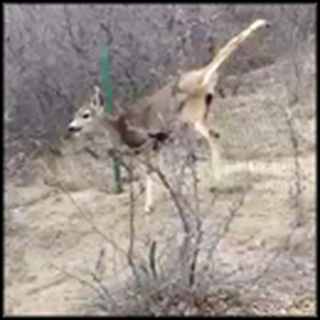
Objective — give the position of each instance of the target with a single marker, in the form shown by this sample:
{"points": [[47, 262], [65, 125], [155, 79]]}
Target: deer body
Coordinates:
{"points": [[187, 99], [191, 96]]}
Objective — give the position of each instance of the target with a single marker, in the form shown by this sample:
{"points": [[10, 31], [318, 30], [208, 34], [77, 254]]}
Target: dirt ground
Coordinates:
{"points": [[47, 236]]}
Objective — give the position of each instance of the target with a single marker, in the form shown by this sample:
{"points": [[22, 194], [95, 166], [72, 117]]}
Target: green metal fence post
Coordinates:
{"points": [[107, 89]]}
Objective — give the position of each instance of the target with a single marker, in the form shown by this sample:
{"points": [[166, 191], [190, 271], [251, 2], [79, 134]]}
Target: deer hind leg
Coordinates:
{"points": [[148, 208], [211, 137], [155, 159]]}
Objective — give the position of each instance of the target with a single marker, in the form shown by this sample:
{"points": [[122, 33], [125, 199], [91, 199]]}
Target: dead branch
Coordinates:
{"points": [[152, 260], [173, 195], [130, 254]]}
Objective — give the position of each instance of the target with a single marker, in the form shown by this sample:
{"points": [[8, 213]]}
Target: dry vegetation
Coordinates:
{"points": [[74, 247]]}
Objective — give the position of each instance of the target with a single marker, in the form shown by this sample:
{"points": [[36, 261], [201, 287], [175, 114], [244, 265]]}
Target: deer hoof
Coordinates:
{"points": [[215, 183], [214, 134], [148, 209], [214, 187]]}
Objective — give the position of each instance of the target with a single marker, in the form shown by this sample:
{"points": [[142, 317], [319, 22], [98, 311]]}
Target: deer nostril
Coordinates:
{"points": [[74, 129], [208, 99], [268, 24]]}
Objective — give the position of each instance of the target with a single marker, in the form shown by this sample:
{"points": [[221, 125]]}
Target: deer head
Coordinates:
{"points": [[87, 115]]}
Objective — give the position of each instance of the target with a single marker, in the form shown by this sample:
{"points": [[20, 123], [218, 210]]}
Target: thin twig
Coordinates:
{"points": [[130, 255], [174, 197], [198, 228], [152, 259], [233, 211], [73, 276]]}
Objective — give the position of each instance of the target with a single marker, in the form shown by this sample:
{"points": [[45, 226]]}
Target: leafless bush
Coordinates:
{"points": [[181, 278], [155, 283]]}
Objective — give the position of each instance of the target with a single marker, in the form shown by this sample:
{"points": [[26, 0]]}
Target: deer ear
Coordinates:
{"points": [[212, 47], [97, 98], [123, 119]]}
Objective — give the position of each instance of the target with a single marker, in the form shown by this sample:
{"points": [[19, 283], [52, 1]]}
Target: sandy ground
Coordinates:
{"points": [[51, 234]]}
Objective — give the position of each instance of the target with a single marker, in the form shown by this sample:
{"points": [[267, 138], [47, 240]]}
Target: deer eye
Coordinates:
{"points": [[86, 115]]}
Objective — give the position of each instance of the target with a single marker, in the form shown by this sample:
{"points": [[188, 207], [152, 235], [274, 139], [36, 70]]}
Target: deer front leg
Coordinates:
{"points": [[148, 208], [154, 158]]}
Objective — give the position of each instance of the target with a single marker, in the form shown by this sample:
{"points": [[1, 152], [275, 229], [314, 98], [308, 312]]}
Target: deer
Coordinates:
{"points": [[91, 117], [187, 99]]}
